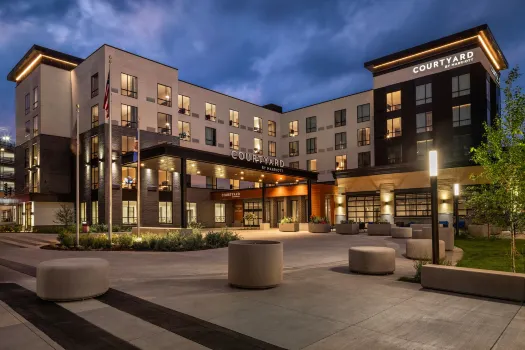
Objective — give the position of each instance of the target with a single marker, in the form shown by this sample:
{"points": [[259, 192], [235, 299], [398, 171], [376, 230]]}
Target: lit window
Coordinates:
{"points": [[311, 145], [234, 141], [34, 182], [94, 212], [28, 128], [234, 118], [184, 104], [461, 85], [423, 122], [35, 125], [36, 157], [94, 147], [311, 165], [94, 116], [423, 94], [165, 213], [257, 124], [311, 124], [184, 130], [393, 101], [35, 97], [128, 85], [363, 113], [210, 112], [165, 180], [293, 148], [340, 118], [272, 128], [129, 116], [94, 178], [363, 136], [294, 128], [234, 184], [128, 144], [340, 162], [423, 147], [461, 115], [220, 212], [393, 127], [191, 211], [129, 212], [129, 178], [258, 146], [272, 149], [164, 123], [83, 216], [164, 95], [340, 140]]}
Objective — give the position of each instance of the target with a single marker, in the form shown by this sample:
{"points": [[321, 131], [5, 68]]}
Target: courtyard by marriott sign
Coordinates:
{"points": [[446, 62], [250, 157]]}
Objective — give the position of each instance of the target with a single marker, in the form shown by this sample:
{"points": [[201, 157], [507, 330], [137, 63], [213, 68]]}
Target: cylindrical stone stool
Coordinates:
{"points": [[425, 233], [255, 264], [421, 249], [372, 260], [401, 232]]}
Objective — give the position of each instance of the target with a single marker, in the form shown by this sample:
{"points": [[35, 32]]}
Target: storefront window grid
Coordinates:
{"points": [[129, 212], [363, 208], [412, 204], [220, 212], [165, 210]]}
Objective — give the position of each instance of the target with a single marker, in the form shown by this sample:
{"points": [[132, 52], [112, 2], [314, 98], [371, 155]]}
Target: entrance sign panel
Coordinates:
{"points": [[250, 157]]}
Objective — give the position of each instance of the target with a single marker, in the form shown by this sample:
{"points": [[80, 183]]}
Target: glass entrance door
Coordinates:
{"points": [[280, 211], [254, 208]]}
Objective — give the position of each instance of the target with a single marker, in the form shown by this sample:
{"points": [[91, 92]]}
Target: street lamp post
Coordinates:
{"points": [[456, 208], [433, 172]]}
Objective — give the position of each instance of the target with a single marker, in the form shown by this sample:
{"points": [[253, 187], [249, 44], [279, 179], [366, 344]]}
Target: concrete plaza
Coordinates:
{"points": [[320, 305]]}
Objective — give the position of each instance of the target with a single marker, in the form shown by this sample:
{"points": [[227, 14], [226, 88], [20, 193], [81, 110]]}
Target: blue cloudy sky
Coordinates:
{"points": [[288, 52]]}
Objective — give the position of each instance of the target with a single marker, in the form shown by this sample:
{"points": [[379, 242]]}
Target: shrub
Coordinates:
{"points": [[124, 241], [319, 220], [66, 239], [11, 228], [287, 220], [94, 241]]}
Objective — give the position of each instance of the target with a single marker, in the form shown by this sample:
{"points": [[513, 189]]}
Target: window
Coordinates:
{"points": [[34, 151], [34, 182], [364, 208], [164, 180], [234, 118], [128, 144], [191, 211], [293, 148], [164, 95], [424, 122], [27, 106], [394, 154], [94, 86], [164, 123], [94, 116], [363, 159], [129, 212], [234, 141], [393, 101], [423, 94], [340, 140], [165, 211], [461, 115], [210, 112], [363, 136], [94, 212], [220, 212], [423, 147], [26, 182], [257, 124], [340, 118], [211, 139], [183, 104], [28, 128], [35, 125], [363, 113], [83, 216], [94, 147], [311, 145], [294, 128], [272, 129], [128, 85], [129, 116], [184, 130], [129, 178], [461, 85], [393, 127], [35, 97], [311, 124], [26, 158], [258, 146], [272, 149], [234, 184], [413, 204], [311, 165], [94, 178], [461, 146], [294, 165], [211, 182], [340, 162]]}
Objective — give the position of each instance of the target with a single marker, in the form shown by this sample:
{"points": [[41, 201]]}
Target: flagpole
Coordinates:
{"points": [[138, 176], [77, 156], [110, 160]]}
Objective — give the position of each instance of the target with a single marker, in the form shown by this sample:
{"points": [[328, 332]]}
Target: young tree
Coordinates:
{"points": [[64, 216], [502, 157]]}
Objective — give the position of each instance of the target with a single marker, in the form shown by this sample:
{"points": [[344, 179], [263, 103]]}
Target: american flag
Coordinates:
{"points": [[106, 99]]}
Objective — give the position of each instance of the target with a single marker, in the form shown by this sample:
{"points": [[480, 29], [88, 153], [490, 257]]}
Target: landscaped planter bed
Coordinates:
{"points": [[289, 227], [347, 229], [319, 228]]}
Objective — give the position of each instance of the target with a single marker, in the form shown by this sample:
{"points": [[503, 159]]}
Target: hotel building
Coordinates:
{"points": [[213, 158]]}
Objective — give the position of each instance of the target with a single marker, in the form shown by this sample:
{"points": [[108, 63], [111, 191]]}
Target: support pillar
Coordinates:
{"points": [[263, 190], [435, 226], [183, 185], [309, 200], [456, 215]]}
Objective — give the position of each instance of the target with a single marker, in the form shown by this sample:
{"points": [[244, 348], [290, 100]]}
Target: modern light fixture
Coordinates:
{"points": [[456, 209], [433, 163], [456, 189], [433, 172], [141, 164], [488, 51], [262, 175], [242, 172], [198, 171], [172, 169], [2, 149], [162, 160], [242, 177], [36, 60]]}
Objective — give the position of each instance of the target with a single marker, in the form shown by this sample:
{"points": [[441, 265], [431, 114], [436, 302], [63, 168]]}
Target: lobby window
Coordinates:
{"points": [[234, 184], [234, 118], [27, 104], [28, 128], [461, 115], [128, 144], [35, 126], [461, 85], [257, 124], [234, 141], [183, 104], [311, 165], [165, 211], [294, 165], [210, 113], [26, 158], [165, 180], [363, 113], [340, 162], [184, 130], [164, 123], [129, 178], [94, 85], [393, 101], [258, 146], [393, 127], [220, 212], [363, 159], [311, 124], [340, 118], [129, 212], [94, 212], [34, 151], [191, 212], [395, 154], [94, 116], [422, 148], [128, 85], [272, 149], [164, 95], [461, 146], [294, 128], [413, 204], [423, 94], [340, 140], [129, 116], [423, 122], [311, 145], [94, 178], [35, 97], [272, 128], [293, 148], [83, 216], [211, 136], [363, 136], [94, 147]]}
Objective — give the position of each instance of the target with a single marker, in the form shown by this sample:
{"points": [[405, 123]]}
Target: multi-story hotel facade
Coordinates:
{"points": [[213, 158]]}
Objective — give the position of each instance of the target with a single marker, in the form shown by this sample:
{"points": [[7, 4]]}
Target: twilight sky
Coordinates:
{"points": [[288, 52]]}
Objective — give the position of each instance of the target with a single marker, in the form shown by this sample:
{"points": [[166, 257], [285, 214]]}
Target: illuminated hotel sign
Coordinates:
{"points": [[250, 157], [230, 194], [446, 62]]}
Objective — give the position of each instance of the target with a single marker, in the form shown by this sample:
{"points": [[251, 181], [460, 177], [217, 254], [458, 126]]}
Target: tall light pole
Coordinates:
{"points": [[456, 208], [433, 172]]}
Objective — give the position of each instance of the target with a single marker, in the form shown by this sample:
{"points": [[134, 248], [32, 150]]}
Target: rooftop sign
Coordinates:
{"points": [[446, 62]]}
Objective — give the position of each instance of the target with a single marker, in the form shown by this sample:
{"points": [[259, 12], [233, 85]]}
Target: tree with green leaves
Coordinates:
{"points": [[502, 158]]}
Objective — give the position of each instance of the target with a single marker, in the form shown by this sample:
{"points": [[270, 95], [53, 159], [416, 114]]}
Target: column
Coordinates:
{"points": [[183, 185], [263, 202], [309, 200]]}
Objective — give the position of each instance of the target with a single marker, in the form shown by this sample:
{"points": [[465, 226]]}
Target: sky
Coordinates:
{"points": [[289, 52]]}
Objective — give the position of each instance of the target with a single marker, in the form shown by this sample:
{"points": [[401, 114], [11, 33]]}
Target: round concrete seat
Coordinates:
{"points": [[72, 279], [255, 264], [446, 234], [422, 234], [401, 232], [421, 249], [372, 260]]}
